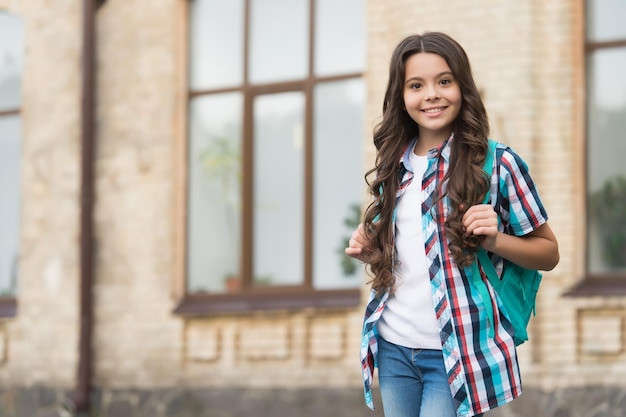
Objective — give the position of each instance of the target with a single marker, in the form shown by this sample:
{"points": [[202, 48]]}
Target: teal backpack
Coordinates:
{"points": [[517, 288]]}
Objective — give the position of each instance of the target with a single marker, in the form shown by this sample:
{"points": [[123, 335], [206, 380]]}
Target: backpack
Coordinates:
{"points": [[517, 288]]}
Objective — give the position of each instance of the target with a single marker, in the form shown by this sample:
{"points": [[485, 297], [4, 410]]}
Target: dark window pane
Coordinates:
{"points": [[606, 169]]}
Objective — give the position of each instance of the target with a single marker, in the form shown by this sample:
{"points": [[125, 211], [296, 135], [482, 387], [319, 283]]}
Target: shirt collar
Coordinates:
{"points": [[443, 150]]}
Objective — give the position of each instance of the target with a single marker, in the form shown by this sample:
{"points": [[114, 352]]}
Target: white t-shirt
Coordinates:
{"points": [[409, 318]]}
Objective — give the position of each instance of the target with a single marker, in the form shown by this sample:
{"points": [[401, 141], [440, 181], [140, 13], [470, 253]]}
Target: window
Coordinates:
{"points": [[606, 138], [11, 63], [275, 174]]}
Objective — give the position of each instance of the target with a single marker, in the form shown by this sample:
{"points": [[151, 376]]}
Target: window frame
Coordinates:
{"points": [[251, 297], [592, 284]]}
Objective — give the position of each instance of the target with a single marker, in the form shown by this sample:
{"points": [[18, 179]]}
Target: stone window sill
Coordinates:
{"points": [[604, 286], [292, 299], [8, 307]]}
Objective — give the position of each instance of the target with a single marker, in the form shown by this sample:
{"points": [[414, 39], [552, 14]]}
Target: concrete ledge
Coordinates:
{"points": [[179, 402], [41, 401]]}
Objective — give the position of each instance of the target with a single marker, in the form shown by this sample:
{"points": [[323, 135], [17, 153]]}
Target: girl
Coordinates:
{"points": [[425, 324]]}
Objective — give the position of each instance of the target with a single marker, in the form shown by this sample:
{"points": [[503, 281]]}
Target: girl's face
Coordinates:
{"points": [[432, 96]]}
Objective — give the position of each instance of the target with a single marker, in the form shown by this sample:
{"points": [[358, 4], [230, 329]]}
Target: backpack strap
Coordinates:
{"points": [[481, 255], [483, 291], [488, 166]]}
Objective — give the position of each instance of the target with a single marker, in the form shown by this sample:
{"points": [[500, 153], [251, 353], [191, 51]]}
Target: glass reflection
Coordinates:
{"points": [[214, 193], [607, 115], [278, 40], [216, 43], [10, 155], [339, 40], [11, 60], [605, 20], [606, 180], [278, 188], [338, 185]]}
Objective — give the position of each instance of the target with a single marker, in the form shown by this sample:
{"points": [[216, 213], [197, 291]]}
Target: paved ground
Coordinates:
{"points": [[40, 401]]}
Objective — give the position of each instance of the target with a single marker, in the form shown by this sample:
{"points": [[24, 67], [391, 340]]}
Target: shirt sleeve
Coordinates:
{"points": [[518, 202]]}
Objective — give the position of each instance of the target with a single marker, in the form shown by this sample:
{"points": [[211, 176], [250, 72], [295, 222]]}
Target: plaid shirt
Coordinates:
{"points": [[483, 371]]}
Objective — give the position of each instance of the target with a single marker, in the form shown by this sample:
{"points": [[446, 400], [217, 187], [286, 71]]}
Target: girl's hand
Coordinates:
{"points": [[482, 220], [356, 245], [536, 250]]}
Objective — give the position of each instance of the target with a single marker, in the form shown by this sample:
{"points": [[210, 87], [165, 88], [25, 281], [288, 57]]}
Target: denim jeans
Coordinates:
{"points": [[413, 382]]}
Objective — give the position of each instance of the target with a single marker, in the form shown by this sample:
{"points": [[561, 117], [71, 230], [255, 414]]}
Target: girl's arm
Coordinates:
{"points": [[536, 250]]}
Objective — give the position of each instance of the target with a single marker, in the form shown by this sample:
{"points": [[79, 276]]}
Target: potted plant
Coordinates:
{"points": [[232, 283]]}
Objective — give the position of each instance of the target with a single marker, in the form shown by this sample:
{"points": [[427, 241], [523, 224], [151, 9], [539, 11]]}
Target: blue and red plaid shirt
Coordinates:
{"points": [[483, 371]]}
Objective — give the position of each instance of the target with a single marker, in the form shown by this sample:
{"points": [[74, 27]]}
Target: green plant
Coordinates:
{"points": [[264, 280], [349, 265], [222, 161], [608, 208]]}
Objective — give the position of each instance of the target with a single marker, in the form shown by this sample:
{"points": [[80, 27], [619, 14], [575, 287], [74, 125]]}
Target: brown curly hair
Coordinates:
{"points": [[467, 184]]}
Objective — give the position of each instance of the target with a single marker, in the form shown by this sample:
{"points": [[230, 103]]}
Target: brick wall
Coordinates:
{"points": [[40, 342], [138, 341]]}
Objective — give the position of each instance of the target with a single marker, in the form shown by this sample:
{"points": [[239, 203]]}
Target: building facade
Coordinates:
{"points": [[179, 176]]}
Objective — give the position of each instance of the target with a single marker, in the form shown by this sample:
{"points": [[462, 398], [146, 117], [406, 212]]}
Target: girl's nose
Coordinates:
{"points": [[432, 93]]}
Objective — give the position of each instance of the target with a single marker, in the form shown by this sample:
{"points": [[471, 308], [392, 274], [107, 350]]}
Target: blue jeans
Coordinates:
{"points": [[413, 382]]}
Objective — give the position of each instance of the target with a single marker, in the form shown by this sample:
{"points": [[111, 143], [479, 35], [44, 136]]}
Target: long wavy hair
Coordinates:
{"points": [[466, 183]]}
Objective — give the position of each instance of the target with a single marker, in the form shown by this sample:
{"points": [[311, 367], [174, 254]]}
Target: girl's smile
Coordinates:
{"points": [[434, 112]]}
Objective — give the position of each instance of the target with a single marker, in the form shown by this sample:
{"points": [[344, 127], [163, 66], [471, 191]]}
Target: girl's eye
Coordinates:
{"points": [[415, 86], [445, 81]]}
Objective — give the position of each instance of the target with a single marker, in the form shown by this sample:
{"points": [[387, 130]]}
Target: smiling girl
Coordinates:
{"points": [[425, 325]]}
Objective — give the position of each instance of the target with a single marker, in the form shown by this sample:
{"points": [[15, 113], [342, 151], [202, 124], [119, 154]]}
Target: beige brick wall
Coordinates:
{"points": [[138, 341], [274, 349], [41, 342], [523, 54]]}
